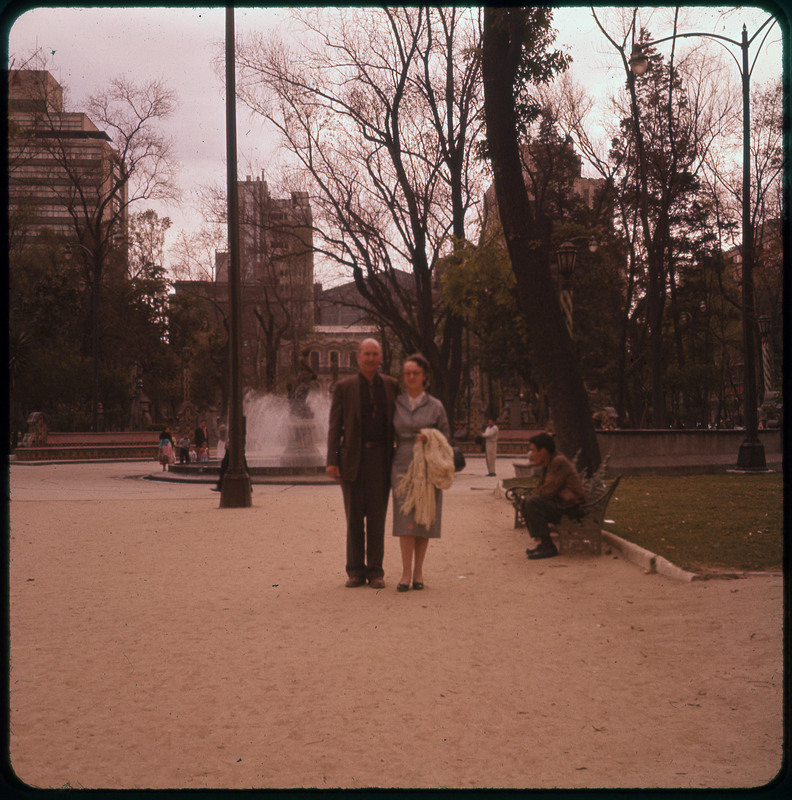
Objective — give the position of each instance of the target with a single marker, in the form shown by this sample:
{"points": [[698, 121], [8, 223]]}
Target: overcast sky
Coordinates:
{"points": [[89, 45]]}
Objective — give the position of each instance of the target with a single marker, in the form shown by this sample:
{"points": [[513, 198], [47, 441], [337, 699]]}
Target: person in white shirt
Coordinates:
{"points": [[490, 437]]}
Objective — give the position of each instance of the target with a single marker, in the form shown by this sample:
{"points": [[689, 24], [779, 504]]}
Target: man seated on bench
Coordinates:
{"points": [[559, 492]]}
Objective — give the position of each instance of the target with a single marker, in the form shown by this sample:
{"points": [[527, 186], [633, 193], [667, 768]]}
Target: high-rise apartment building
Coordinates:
{"points": [[276, 268], [276, 252], [62, 170]]}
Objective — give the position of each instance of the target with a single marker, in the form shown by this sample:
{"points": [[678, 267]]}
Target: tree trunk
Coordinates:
{"points": [[529, 244]]}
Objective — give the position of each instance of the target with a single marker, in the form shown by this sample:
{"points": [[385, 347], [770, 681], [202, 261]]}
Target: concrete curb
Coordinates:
{"points": [[649, 561]]}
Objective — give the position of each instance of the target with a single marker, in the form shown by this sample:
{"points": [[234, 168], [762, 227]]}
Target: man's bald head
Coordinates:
{"points": [[369, 357]]}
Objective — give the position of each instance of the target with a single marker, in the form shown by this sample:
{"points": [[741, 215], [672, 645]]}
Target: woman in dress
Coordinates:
{"points": [[415, 409], [165, 448]]}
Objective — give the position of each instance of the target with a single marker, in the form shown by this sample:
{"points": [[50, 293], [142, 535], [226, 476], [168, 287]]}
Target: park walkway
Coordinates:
{"points": [[158, 641]]}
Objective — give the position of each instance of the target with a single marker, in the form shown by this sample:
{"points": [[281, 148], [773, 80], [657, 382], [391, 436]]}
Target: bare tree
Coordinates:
{"points": [[724, 170], [659, 149], [130, 160], [381, 111], [766, 205], [193, 255], [684, 118]]}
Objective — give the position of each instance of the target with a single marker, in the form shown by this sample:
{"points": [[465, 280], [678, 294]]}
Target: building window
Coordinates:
{"points": [[334, 359], [315, 360]]}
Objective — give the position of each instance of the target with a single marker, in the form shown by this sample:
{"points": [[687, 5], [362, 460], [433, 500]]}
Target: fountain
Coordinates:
{"points": [[285, 441], [287, 432], [285, 437]]}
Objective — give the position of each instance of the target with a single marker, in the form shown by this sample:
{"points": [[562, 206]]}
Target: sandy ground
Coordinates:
{"points": [[158, 641]]}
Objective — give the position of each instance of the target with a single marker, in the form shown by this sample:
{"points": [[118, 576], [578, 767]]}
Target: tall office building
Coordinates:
{"points": [[276, 268], [61, 167], [276, 255]]}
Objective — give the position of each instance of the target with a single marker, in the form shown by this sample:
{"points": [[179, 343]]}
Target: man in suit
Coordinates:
{"points": [[359, 454]]}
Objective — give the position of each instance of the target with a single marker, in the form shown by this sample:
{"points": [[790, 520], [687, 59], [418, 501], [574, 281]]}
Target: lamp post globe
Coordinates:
{"points": [[566, 257]]}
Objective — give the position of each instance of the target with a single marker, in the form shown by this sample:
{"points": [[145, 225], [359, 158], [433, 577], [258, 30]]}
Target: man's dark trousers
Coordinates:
{"points": [[366, 505], [538, 513]]}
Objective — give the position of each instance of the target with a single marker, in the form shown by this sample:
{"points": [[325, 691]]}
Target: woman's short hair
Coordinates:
{"points": [[543, 441], [421, 361]]}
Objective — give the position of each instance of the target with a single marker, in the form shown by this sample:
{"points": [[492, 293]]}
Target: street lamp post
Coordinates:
{"points": [[767, 370], [751, 456], [235, 489], [95, 276], [566, 257]]}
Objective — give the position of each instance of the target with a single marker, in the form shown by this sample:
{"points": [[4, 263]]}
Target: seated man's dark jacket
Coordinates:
{"points": [[560, 482]]}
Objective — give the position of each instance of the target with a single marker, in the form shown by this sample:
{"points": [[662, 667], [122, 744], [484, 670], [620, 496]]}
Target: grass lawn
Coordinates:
{"points": [[703, 522]]}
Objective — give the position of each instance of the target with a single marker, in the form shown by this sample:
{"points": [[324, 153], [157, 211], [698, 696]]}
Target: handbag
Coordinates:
{"points": [[459, 459]]}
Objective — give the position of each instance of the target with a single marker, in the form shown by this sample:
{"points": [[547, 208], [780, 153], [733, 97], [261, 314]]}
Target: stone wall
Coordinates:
{"points": [[90, 446], [675, 443], [658, 451]]}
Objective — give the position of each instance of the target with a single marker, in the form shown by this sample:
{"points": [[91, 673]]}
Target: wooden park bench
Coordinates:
{"points": [[582, 527]]}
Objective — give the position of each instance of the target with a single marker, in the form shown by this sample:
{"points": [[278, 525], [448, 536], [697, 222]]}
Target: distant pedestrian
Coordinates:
{"points": [[165, 448], [184, 449], [201, 437], [221, 442], [226, 460], [490, 437]]}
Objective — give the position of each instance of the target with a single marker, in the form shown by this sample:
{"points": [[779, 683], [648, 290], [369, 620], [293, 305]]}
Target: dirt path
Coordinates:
{"points": [[158, 641]]}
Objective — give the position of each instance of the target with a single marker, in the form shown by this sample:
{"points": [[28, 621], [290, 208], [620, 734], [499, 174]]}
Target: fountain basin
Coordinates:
{"points": [[284, 443], [209, 472]]}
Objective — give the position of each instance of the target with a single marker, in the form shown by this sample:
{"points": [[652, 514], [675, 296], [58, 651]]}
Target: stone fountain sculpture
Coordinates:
{"points": [[301, 436]]}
